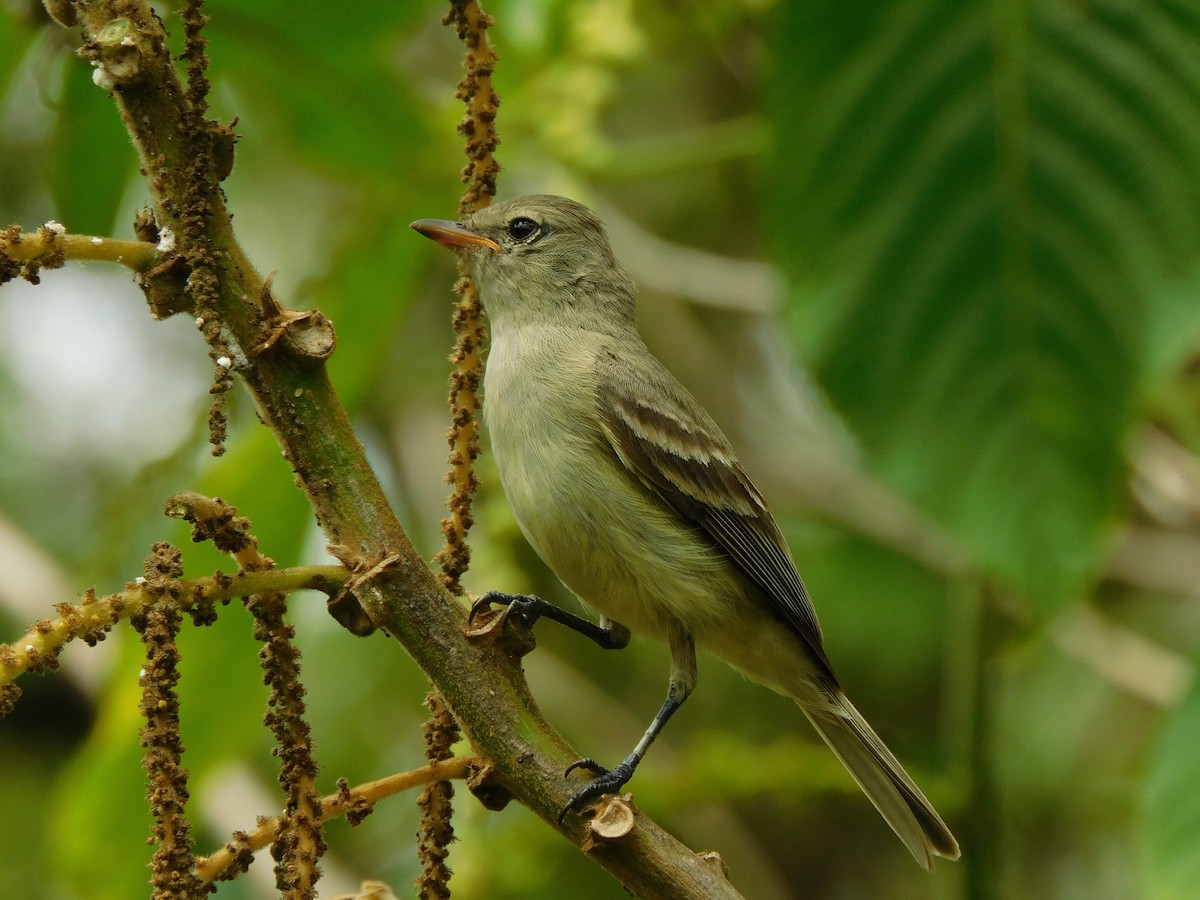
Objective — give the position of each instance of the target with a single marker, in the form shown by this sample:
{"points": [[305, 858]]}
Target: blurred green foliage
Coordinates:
{"points": [[987, 222]]}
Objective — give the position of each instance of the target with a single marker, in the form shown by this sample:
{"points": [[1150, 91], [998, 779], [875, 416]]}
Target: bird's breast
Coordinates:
{"points": [[608, 537]]}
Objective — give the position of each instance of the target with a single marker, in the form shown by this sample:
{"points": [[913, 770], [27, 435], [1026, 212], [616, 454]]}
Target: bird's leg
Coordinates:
{"points": [[608, 781], [529, 608]]}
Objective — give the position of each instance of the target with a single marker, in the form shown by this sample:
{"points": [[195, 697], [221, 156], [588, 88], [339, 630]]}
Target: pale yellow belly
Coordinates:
{"points": [[604, 534]]}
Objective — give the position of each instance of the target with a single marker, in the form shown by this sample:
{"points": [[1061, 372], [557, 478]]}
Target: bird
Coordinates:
{"points": [[630, 492]]}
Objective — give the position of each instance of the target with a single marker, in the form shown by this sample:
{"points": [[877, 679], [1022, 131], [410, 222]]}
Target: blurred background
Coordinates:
{"points": [[933, 264]]}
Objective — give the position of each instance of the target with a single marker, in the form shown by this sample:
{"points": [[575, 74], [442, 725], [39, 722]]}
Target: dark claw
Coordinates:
{"points": [[607, 781], [481, 604], [586, 763]]}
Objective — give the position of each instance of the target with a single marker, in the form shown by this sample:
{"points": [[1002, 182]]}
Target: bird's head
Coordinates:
{"points": [[536, 251]]}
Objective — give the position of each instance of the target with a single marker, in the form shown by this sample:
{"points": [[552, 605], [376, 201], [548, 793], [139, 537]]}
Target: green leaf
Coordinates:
{"points": [[986, 212], [322, 79], [15, 38], [372, 280], [21, 48], [92, 156], [1171, 807], [102, 794]]}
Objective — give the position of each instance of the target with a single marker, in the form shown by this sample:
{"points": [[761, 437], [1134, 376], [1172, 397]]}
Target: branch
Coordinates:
{"points": [[25, 253], [354, 803], [93, 616], [478, 676]]}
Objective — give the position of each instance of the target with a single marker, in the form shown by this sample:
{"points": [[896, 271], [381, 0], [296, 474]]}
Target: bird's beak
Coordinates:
{"points": [[452, 235]]}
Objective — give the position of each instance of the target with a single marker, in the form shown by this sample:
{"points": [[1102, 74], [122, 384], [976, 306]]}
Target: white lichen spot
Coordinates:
{"points": [[199, 321], [97, 241], [166, 241], [239, 356], [103, 79], [224, 362], [141, 673], [141, 579], [29, 648], [57, 227]]}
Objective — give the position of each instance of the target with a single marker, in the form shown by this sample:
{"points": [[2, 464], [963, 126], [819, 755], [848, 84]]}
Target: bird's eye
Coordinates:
{"points": [[522, 229]]}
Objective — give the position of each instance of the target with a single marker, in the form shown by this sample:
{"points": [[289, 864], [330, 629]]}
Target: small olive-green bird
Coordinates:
{"points": [[629, 491]]}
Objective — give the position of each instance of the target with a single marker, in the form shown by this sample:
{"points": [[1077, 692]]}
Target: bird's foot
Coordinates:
{"points": [[528, 608], [607, 781]]}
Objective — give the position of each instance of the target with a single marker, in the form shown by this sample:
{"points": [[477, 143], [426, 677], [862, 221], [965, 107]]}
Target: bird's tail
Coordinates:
{"points": [[884, 781]]}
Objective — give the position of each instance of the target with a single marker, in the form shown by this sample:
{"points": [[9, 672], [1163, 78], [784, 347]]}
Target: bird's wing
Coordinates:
{"points": [[676, 449]]}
